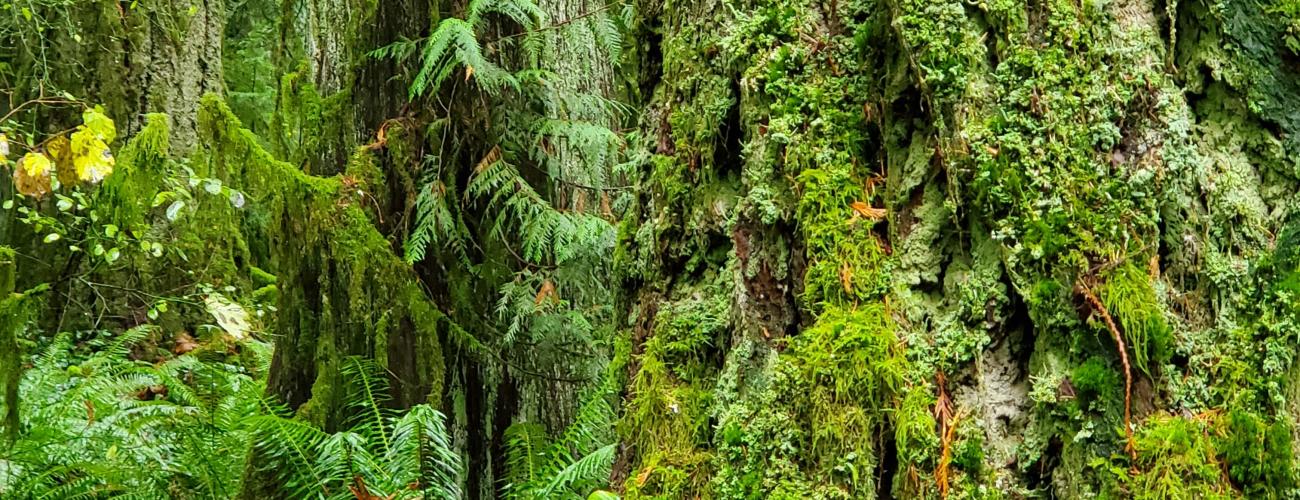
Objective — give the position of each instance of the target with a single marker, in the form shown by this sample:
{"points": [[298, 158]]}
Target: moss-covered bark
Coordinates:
{"points": [[11, 319], [1002, 178], [147, 57], [342, 291]]}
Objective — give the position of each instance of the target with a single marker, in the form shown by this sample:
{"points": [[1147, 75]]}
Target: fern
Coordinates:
{"points": [[454, 45], [437, 224], [526, 447], [574, 465], [591, 468], [95, 429], [387, 455]]}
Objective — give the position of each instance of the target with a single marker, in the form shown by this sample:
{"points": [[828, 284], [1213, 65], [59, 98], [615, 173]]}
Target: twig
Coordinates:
{"points": [[947, 431], [1123, 358]]}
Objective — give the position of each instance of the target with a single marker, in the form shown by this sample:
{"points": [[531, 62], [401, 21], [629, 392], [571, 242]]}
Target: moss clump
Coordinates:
{"points": [[1213, 455], [1096, 382], [803, 434], [260, 277], [141, 167], [1258, 454], [269, 294], [692, 327], [1176, 459], [667, 420]]}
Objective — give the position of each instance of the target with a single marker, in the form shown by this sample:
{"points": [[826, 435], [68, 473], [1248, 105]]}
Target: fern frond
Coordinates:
{"points": [[526, 446], [592, 468], [454, 45], [423, 454], [290, 450], [523, 12]]}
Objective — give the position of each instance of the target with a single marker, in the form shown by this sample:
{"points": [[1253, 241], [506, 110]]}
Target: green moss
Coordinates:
{"points": [[1176, 459], [310, 130], [1130, 298], [693, 326], [128, 193], [1214, 455], [269, 294], [969, 450], [1259, 455], [802, 434], [336, 277], [917, 441], [1096, 381], [667, 420], [260, 277]]}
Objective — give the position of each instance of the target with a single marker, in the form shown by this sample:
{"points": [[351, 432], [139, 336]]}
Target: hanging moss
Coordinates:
{"points": [[341, 289], [128, 194]]}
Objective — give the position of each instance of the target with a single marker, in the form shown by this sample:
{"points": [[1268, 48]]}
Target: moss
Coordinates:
{"points": [[1024, 148], [1258, 455], [311, 130], [693, 326], [969, 451], [139, 174], [1213, 455], [1096, 382], [336, 275], [269, 294], [1176, 459], [12, 317], [1130, 298], [801, 434], [260, 277], [917, 441]]}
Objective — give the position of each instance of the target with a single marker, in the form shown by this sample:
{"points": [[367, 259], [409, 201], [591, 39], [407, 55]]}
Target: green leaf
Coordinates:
{"points": [[110, 230], [174, 210], [213, 186], [9, 204], [52, 237], [113, 255]]}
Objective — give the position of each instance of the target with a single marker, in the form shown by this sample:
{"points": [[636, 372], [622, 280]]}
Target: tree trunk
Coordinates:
{"points": [[12, 318], [879, 246]]}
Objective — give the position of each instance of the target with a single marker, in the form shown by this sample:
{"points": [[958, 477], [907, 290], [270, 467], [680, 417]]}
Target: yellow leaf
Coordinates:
{"points": [[32, 176], [547, 291], [90, 156], [491, 157], [469, 71], [60, 150]]}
